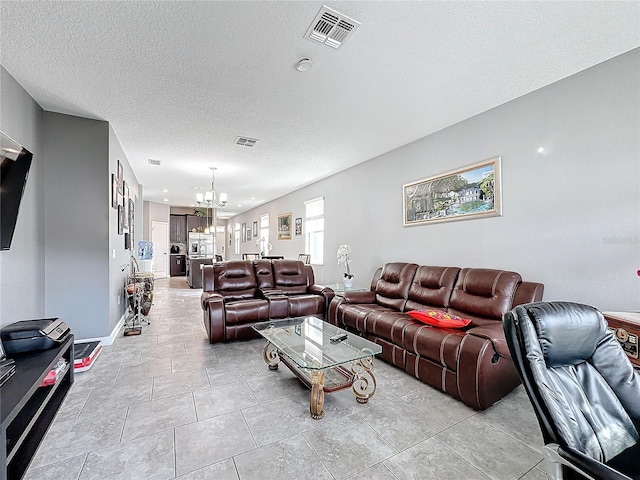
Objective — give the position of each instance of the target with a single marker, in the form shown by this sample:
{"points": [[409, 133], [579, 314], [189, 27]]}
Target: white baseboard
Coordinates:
{"points": [[111, 338]]}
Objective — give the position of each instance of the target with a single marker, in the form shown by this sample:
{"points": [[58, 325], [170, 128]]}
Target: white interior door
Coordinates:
{"points": [[160, 239]]}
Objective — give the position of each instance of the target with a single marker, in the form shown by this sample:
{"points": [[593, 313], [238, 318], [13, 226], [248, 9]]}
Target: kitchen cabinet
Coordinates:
{"points": [[178, 265], [177, 228], [194, 221]]}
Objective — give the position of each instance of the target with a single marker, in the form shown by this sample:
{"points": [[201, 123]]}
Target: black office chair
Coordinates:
{"points": [[584, 390]]}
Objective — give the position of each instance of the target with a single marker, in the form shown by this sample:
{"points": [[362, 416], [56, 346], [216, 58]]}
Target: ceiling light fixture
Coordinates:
{"points": [[214, 200], [304, 65]]}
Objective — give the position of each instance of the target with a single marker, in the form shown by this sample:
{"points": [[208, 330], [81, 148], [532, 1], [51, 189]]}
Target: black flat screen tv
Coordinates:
{"points": [[15, 163]]}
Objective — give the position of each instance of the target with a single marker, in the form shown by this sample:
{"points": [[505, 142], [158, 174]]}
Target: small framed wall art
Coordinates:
{"points": [[298, 226], [284, 226]]}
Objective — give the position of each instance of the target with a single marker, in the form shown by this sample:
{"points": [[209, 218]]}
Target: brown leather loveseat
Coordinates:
{"points": [[239, 293], [472, 364]]}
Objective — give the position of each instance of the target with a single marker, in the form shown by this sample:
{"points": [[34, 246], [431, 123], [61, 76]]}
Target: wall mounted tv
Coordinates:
{"points": [[15, 163]]}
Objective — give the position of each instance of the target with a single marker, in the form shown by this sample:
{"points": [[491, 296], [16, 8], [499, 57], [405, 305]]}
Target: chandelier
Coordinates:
{"points": [[212, 198]]}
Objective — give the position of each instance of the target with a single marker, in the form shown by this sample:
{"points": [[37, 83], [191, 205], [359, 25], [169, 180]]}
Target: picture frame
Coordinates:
{"points": [[125, 205], [244, 232], [469, 192], [120, 220], [284, 226], [115, 197], [298, 226], [248, 234], [255, 229], [120, 178], [132, 208]]}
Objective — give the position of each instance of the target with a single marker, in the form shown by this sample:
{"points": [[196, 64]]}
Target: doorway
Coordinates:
{"points": [[160, 239]]}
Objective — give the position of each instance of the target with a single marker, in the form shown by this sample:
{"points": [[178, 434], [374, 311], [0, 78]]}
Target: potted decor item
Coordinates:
{"points": [[344, 258]]}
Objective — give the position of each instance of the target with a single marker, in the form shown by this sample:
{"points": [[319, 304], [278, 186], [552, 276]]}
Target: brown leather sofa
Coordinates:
{"points": [[239, 293], [472, 364]]}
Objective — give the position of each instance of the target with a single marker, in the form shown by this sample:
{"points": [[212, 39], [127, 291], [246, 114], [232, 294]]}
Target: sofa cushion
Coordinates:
{"points": [[246, 311], [431, 287], [484, 294], [290, 276], [235, 279], [440, 345], [354, 315], [264, 274], [388, 324], [393, 286], [300, 305], [438, 318]]}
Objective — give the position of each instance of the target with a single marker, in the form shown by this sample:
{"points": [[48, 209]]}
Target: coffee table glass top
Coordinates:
{"points": [[306, 341]]}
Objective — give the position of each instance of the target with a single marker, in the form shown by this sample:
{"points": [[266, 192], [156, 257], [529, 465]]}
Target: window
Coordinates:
{"points": [[314, 225], [264, 244], [236, 238]]}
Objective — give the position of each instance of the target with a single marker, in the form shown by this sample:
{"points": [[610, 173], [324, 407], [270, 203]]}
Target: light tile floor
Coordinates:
{"points": [[166, 404]]}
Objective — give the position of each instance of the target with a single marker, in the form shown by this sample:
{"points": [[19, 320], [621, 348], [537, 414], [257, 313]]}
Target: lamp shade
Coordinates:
{"points": [[199, 197], [223, 198]]}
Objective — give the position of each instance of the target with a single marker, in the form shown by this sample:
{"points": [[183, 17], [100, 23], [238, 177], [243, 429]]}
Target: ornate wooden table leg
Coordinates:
{"points": [[317, 394], [270, 355], [364, 383]]}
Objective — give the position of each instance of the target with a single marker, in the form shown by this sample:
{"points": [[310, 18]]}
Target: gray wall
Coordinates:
{"points": [[118, 256], [22, 267], [77, 223], [65, 257], [571, 216]]}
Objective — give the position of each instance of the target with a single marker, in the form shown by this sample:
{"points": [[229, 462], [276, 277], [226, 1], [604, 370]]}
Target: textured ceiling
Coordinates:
{"points": [[179, 81]]}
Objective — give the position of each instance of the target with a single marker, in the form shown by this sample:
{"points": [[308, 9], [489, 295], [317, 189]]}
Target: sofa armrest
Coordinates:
{"points": [[359, 297], [206, 296], [214, 317], [494, 333], [319, 290], [485, 371], [265, 292]]}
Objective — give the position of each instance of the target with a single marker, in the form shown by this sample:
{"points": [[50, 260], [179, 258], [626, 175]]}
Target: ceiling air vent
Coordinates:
{"points": [[331, 28], [246, 141], [153, 162]]}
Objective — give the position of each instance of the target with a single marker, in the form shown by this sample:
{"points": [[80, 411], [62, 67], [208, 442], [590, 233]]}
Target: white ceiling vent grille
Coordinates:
{"points": [[153, 162], [331, 28], [246, 141]]}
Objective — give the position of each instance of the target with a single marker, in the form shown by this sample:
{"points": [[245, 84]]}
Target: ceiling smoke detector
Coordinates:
{"points": [[331, 28], [246, 141], [304, 65], [153, 162]]}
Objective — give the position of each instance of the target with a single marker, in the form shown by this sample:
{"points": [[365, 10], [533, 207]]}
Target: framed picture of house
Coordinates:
{"points": [[284, 226], [473, 191], [244, 232], [298, 226]]}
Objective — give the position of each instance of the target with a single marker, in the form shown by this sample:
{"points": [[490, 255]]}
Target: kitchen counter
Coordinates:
{"points": [[194, 269]]}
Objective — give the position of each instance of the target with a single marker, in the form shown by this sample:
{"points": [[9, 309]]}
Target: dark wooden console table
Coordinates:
{"points": [[28, 409]]}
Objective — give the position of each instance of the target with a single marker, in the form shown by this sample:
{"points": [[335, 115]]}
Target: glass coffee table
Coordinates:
{"points": [[309, 348]]}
